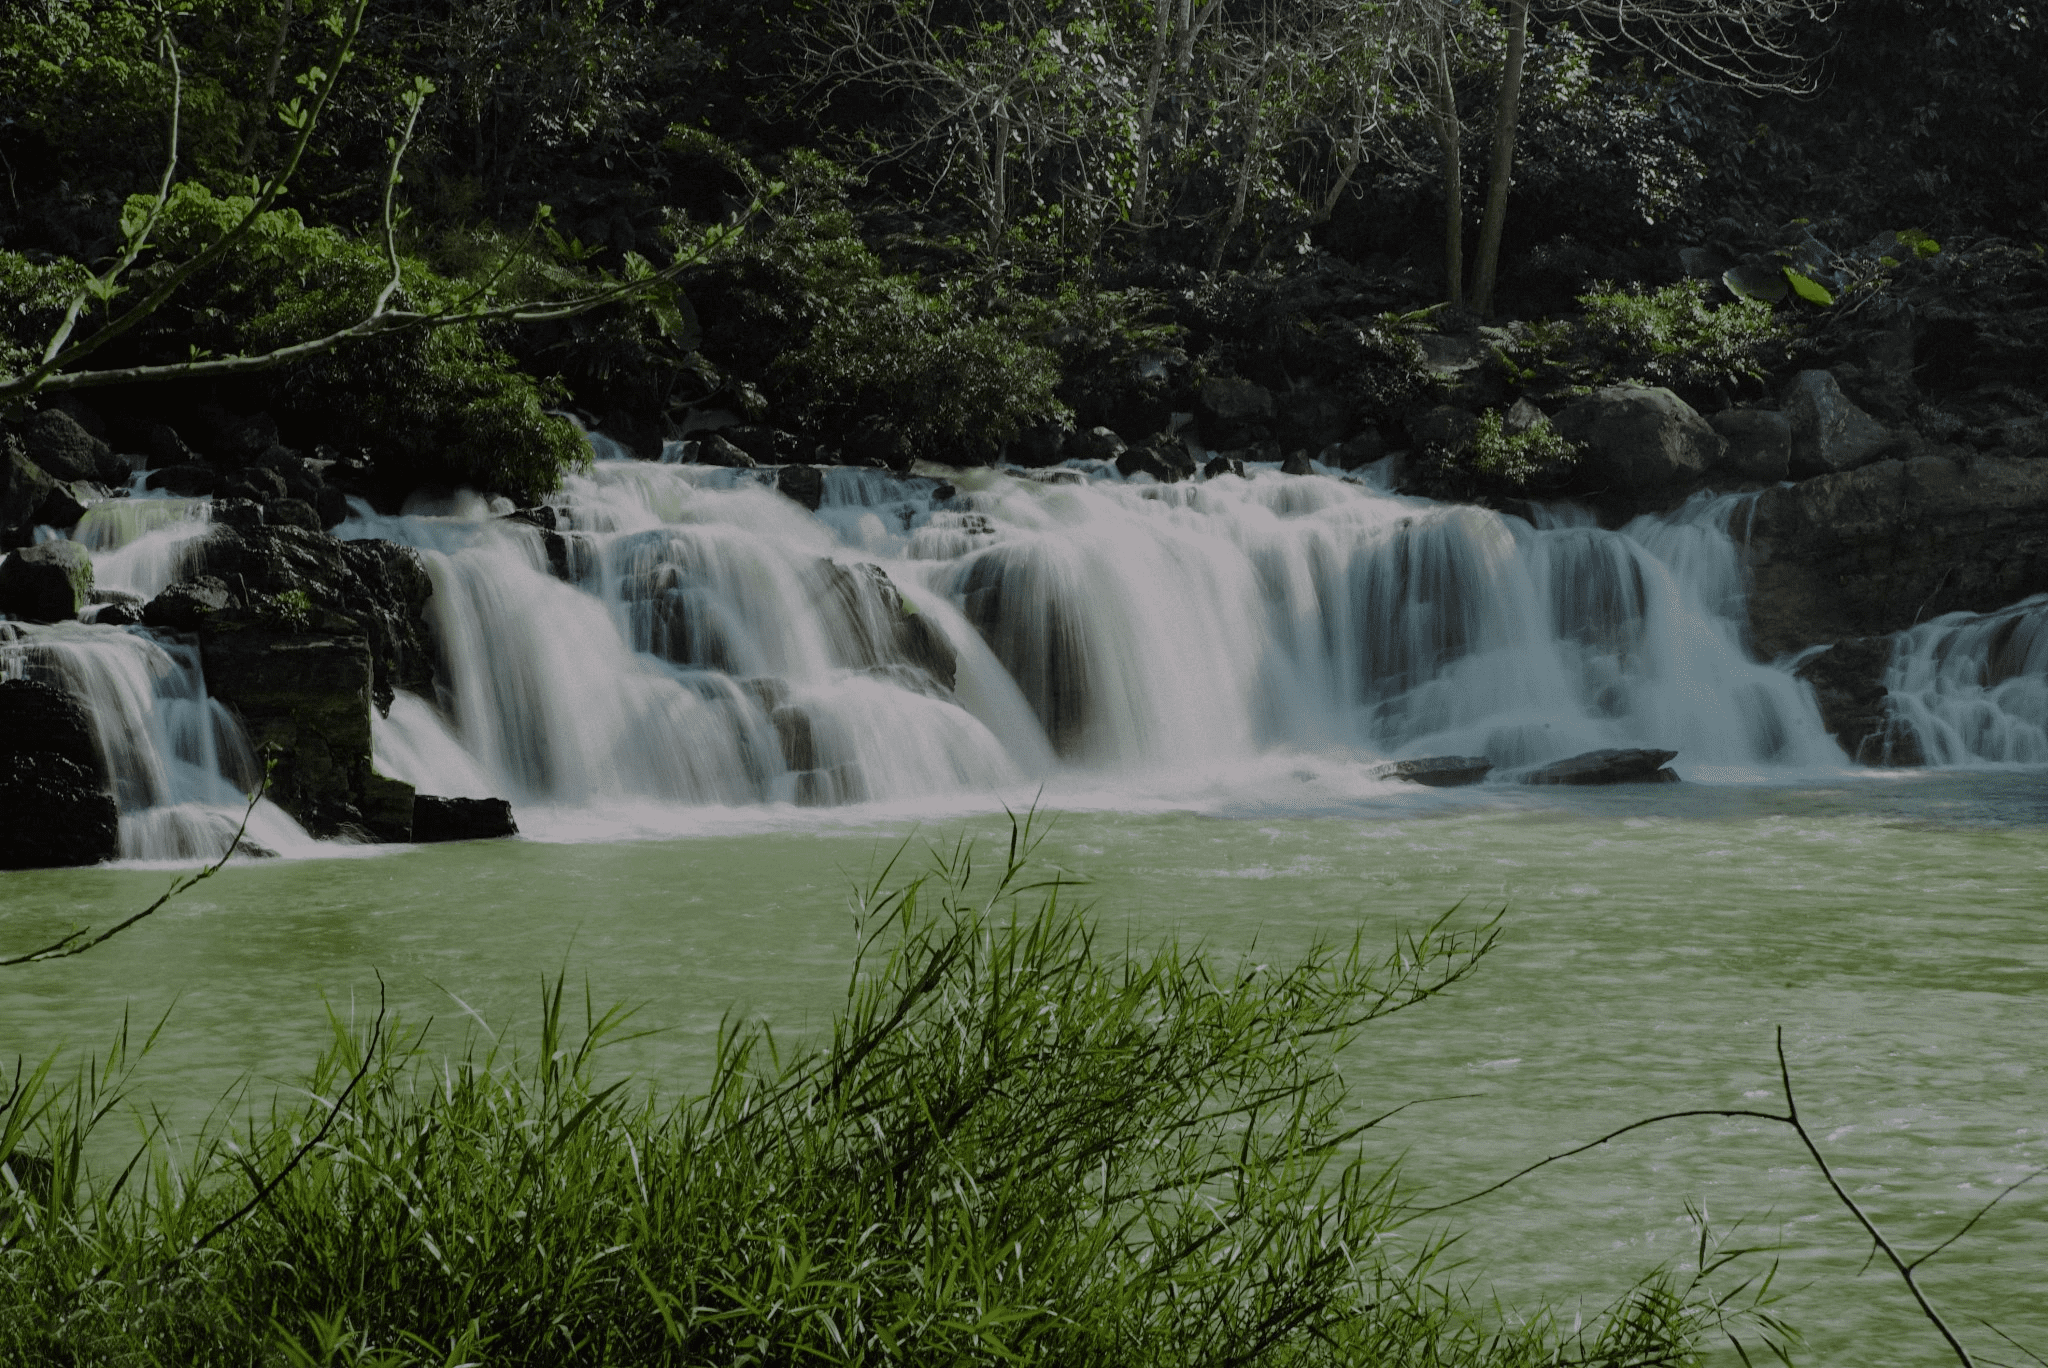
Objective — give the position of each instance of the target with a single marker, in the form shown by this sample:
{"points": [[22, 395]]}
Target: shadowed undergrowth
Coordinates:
{"points": [[1015, 1146]]}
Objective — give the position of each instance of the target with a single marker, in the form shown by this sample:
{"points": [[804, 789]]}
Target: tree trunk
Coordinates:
{"points": [[1445, 124], [1506, 114], [1254, 144], [1141, 188], [998, 180]]}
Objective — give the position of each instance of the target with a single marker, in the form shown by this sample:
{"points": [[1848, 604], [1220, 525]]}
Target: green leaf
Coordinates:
{"points": [[1808, 289], [1760, 283]]}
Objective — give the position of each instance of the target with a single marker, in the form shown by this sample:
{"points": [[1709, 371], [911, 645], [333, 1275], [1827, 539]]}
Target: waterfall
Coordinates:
{"points": [[180, 764], [685, 635], [1974, 687], [670, 638]]}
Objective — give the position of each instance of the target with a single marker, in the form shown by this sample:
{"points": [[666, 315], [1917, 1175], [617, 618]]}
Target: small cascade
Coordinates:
{"points": [[180, 764], [684, 634], [1973, 688], [141, 545]]}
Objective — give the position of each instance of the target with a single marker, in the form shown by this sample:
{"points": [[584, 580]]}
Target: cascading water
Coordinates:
{"points": [[1973, 688], [687, 639], [687, 636], [180, 764]]}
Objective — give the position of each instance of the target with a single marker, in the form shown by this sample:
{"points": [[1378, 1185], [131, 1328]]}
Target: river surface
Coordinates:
{"points": [[1895, 925]]}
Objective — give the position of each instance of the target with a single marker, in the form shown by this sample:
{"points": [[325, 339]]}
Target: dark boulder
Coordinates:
{"points": [[1871, 551], [878, 443], [1233, 411], [1436, 771], [292, 513], [305, 697], [331, 506], [1040, 445], [542, 516], [38, 718], [1639, 440], [190, 481], [1463, 364], [1616, 766], [1848, 680], [1222, 465], [805, 484], [1443, 427], [1297, 464], [714, 450], [1759, 443], [1356, 452], [54, 813], [186, 605], [55, 441], [793, 729], [257, 484], [56, 806], [167, 448], [1310, 417], [1829, 433], [460, 819], [48, 582], [1164, 459], [1522, 417], [66, 503], [24, 486], [1096, 444], [376, 587], [767, 445]]}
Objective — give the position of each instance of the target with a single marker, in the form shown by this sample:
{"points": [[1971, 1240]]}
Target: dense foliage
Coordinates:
{"points": [[980, 219]]}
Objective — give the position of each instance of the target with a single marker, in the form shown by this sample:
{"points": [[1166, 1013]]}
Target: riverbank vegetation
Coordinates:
{"points": [[1016, 1145], [955, 232]]}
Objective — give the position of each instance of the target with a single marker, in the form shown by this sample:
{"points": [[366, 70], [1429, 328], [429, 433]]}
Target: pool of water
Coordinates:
{"points": [[1654, 939]]}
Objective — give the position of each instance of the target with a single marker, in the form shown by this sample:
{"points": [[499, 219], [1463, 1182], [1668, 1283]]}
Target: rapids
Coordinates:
{"points": [[690, 638]]}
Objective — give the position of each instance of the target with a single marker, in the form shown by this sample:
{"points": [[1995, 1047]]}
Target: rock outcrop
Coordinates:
{"points": [[56, 442], [1640, 441], [303, 696], [1436, 771], [1759, 444], [1615, 766], [1829, 433], [1871, 551], [437, 819], [56, 806], [49, 582], [1848, 680]]}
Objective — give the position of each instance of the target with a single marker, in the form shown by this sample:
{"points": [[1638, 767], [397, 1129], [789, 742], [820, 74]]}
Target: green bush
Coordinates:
{"points": [[1528, 461], [1014, 1147], [809, 312], [443, 407], [1673, 336]]}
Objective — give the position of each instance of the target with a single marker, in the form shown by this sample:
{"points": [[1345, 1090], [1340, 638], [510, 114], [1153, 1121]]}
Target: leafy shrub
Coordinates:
{"points": [[1537, 457], [955, 385], [1673, 336], [447, 407], [809, 312], [33, 297]]}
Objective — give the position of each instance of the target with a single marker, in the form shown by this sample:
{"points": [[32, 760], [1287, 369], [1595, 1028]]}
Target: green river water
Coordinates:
{"points": [[1896, 927]]}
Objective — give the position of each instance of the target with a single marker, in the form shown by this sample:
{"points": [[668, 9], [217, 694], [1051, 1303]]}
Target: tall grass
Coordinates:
{"points": [[1016, 1147]]}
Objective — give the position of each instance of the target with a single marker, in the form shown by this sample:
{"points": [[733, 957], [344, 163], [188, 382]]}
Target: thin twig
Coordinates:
{"points": [[74, 944], [1906, 1267], [263, 1191]]}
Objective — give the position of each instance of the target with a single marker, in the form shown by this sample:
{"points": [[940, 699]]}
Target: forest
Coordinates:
{"points": [[965, 231]]}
